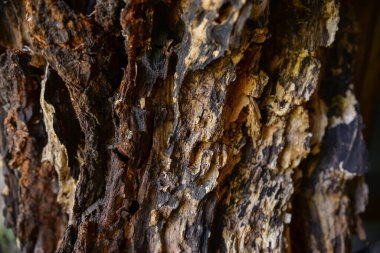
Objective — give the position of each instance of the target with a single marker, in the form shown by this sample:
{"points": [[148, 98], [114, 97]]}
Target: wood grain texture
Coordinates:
{"points": [[195, 126]]}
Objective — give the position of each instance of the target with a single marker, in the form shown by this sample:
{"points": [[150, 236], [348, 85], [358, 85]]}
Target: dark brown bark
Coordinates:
{"points": [[31, 191], [181, 126]]}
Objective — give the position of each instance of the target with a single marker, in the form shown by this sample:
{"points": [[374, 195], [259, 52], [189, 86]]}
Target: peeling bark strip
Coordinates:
{"points": [[181, 126]]}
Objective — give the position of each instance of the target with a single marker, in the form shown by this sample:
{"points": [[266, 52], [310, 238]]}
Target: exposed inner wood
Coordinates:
{"points": [[181, 126]]}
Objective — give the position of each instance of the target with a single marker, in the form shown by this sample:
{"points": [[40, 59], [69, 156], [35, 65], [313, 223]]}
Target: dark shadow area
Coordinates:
{"points": [[367, 85]]}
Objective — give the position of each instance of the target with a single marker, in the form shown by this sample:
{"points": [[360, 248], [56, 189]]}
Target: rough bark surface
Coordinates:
{"points": [[181, 126]]}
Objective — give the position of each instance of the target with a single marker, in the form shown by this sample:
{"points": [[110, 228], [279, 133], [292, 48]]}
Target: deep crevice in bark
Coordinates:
{"points": [[191, 126]]}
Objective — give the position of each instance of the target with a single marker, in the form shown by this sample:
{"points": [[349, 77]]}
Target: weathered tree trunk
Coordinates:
{"points": [[181, 126]]}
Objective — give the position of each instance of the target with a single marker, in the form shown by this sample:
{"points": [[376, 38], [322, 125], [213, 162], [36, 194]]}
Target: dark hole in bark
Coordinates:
{"points": [[84, 7], [224, 12], [167, 24], [120, 156], [65, 122], [90, 6], [117, 60], [13, 122], [133, 207]]}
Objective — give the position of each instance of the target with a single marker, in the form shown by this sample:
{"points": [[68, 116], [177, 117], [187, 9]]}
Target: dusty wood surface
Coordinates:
{"points": [[181, 126]]}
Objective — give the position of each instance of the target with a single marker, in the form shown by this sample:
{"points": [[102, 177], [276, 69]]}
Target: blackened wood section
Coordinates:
{"points": [[190, 126]]}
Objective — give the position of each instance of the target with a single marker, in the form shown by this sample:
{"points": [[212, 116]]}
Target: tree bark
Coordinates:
{"points": [[181, 126]]}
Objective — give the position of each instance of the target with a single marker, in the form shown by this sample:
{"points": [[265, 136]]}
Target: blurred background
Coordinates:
{"points": [[7, 239], [367, 84]]}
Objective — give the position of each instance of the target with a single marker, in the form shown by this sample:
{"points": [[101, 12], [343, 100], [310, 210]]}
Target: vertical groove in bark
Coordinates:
{"points": [[199, 143], [60, 120]]}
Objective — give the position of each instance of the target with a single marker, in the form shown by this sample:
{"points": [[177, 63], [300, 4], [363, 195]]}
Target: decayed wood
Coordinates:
{"points": [[183, 126], [30, 195]]}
